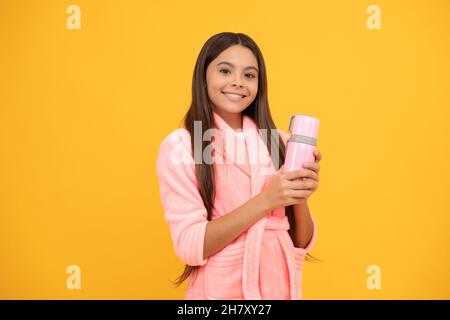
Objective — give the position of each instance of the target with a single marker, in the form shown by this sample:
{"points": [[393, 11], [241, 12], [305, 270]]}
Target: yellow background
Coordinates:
{"points": [[83, 113]]}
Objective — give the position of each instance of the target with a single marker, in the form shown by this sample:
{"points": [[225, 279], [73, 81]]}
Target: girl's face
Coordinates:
{"points": [[232, 80]]}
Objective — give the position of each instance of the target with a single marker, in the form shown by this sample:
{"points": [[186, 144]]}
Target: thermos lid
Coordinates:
{"points": [[301, 124]]}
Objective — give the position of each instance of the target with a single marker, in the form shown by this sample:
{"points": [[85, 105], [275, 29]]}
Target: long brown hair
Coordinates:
{"points": [[201, 110]]}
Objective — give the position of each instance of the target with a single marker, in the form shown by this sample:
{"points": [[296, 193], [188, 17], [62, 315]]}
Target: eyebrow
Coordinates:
{"points": [[232, 65]]}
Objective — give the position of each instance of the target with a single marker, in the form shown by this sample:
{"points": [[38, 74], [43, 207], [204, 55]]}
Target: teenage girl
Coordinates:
{"points": [[242, 233]]}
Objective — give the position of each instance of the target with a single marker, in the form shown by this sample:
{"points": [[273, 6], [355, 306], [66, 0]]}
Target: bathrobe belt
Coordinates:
{"points": [[252, 255]]}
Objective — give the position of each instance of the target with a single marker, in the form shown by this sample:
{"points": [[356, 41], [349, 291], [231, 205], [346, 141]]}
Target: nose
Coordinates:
{"points": [[236, 82]]}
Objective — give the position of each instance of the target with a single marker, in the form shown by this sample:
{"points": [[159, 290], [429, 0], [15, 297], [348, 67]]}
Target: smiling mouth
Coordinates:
{"points": [[233, 95]]}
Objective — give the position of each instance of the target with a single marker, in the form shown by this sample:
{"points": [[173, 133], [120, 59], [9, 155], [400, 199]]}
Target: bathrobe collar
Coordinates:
{"points": [[226, 135], [260, 162]]}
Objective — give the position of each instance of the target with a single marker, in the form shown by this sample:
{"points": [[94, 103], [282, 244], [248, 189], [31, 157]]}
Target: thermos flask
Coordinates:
{"points": [[302, 142]]}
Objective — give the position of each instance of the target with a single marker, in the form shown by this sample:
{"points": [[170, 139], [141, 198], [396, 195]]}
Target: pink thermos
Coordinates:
{"points": [[302, 142]]}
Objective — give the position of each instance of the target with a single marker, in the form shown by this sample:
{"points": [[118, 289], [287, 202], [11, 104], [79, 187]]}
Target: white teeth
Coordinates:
{"points": [[233, 95]]}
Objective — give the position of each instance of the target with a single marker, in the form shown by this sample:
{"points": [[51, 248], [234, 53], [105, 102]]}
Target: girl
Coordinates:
{"points": [[243, 233]]}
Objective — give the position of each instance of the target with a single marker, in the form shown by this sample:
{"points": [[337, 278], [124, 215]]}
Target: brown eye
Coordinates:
{"points": [[250, 75], [224, 70]]}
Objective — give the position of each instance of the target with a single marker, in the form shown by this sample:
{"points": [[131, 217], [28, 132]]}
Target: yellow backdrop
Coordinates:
{"points": [[87, 93]]}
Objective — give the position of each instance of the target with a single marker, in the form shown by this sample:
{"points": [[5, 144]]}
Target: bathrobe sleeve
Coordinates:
{"points": [[184, 209], [308, 248]]}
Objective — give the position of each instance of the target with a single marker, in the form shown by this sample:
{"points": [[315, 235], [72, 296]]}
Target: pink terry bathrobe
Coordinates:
{"points": [[262, 263]]}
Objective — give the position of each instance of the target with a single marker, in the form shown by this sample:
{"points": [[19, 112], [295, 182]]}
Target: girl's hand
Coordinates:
{"points": [[294, 187]]}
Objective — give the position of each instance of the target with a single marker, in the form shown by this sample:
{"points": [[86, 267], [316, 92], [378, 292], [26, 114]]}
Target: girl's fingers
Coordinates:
{"points": [[315, 166], [305, 173], [317, 155], [301, 184]]}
